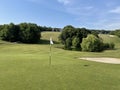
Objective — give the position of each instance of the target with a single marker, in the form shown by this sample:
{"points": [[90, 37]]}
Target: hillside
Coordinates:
{"points": [[47, 35], [110, 38]]}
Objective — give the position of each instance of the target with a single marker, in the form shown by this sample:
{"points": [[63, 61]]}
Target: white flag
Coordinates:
{"points": [[51, 42]]}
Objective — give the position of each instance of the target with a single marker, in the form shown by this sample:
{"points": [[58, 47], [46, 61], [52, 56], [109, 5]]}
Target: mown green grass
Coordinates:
{"points": [[26, 67]]}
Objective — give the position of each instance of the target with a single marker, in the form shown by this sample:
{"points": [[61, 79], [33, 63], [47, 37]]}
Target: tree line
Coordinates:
{"points": [[82, 39], [23, 32], [116, 32], [71, 37]]}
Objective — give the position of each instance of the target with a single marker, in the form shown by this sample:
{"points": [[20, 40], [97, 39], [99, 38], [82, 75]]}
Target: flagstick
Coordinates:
{"points": [[50, 55], [51, 42]]}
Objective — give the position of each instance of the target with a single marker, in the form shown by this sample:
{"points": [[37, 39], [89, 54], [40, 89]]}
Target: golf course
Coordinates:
{"points": [[26, 66]]}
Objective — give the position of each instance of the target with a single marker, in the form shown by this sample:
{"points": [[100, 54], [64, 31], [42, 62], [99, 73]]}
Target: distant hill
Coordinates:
{"points": [[47, 35]]}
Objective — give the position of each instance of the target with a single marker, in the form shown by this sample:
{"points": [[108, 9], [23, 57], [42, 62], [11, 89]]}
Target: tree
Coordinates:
{"points": [[68, 43], [75, 34], [24, 32], [82, 33], [95, 32], [76, 43], [68, 32], [29, 33], [116, 32], [92, 44], [3, 32], [8, 32], [13, 32], [109, 45]]}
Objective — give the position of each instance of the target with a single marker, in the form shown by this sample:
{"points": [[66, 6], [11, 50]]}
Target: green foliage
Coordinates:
{"points": [[109, 45], [29, 33], [9, 33], [76, 35], [68, 32], [24, 32], [95, 33], [84, 32], [68, 43], [100, 32], [4, 32], [81, 33], [106, 45], [92, 44], [116, 32], [76, 43]]}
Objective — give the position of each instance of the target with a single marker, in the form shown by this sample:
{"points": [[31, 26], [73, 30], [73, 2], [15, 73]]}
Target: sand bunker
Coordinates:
{"points": [[111, 36], [104, 60]]}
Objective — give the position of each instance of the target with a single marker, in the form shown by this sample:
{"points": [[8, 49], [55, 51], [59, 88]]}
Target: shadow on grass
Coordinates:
{"points": [[42, 42]]}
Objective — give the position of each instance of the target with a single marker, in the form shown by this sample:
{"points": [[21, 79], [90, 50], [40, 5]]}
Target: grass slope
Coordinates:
{"points": [[26, 67], [47, 35]]}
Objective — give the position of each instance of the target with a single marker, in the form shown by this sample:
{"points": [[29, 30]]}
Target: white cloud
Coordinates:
{"points": [[112, 25], [93, 15], [105, 24], [84, 11], [116, 10], [65, 2], [75, 7]]}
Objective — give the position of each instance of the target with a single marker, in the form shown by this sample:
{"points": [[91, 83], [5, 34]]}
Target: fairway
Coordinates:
{"points": [[26, 67]]}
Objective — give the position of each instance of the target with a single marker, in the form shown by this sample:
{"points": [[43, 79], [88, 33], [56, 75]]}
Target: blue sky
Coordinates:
{"points": [[91, 14]]}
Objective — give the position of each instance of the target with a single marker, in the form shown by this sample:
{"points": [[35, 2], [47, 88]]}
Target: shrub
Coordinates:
{"points": [[92, 44], [109, 45], [68, 43], [106, 45], [75, 34], [76, 43]]}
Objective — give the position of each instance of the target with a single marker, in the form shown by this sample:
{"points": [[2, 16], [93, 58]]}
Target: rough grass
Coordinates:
{"points": [[47, 35], [26, 67], [108, 39]]}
